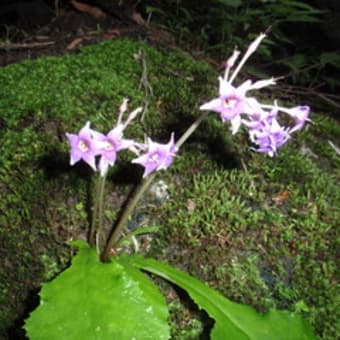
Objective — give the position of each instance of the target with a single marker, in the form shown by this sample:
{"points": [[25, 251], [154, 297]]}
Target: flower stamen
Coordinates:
{"points": [[82, 145]]}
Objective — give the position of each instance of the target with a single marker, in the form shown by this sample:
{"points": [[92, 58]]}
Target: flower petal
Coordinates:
{"points": [[212, 105]]}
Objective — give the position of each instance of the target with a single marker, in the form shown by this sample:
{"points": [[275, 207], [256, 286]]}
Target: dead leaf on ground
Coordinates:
{"points": [[92, 10], [74, 43], [281, 197], [137, 18], [112, 33]]}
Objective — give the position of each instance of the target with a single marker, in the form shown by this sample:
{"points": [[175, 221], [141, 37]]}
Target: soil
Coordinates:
{"points": [[67, 30]]}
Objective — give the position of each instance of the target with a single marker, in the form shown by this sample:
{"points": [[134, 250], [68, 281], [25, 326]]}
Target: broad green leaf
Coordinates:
{"points": [[232, 321], [93, 300], [150, 291]]}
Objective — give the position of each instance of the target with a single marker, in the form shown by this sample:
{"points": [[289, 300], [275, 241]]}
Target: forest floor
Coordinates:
{"points": [[69, 30]]}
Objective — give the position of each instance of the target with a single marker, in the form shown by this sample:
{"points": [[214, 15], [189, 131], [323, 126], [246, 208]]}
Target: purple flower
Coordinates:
{"points": [[232, 101], [114, 140], [300, 115], [89, 143], [269, 135], [84, 147], [111, 144], [235, 105], [259, 119], [230, 104], [157, 156]]}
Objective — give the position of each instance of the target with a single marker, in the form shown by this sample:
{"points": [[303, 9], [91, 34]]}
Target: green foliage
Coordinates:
{"points": [[93, 300], [216, 23], [231, 3], [217, 26], [231, 320]]}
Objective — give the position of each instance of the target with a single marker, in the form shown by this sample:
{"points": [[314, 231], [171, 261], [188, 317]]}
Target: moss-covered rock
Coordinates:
{"points": [[264, 233]]}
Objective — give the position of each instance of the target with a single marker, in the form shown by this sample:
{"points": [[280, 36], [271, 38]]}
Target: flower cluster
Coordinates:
{"points": [[88, 144], [235, 105]]}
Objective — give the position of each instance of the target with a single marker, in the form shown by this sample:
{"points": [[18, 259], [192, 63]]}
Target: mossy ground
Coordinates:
{"points": [[260, 230], [263, 231]]}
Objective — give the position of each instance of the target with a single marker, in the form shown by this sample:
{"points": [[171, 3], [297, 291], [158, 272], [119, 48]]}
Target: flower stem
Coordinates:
{"points": [[119, 226], [191, 129], [97, 218]]}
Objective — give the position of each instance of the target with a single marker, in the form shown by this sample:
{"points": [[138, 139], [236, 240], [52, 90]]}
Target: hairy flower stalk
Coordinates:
{"points": [[264, 129], [156, 157]]}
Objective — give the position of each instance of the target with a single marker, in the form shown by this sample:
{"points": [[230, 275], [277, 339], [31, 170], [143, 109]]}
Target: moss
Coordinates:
{"points": [[45, 202], [264, 236]]}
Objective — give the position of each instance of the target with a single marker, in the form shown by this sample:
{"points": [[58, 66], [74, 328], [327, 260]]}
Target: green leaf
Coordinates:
{"points": [[231, 3], [94, 300], [301, 5], [232, 320], [332, 58], [150, 291], [295, 63]]}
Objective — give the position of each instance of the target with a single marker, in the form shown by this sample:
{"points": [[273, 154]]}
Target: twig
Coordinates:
{"points": [[144, 83], [328, 98], [19, 46], [335, 148]]}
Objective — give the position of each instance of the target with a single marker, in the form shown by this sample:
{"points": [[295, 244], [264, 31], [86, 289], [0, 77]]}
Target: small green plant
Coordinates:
{"points": [[104, 293]]}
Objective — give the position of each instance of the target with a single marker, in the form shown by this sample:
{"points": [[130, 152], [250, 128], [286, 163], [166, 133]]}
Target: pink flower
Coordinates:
{"points": [[114, 141], [158, 156], [111, 144], [260, 119], [84, 146], [269, 135], [300, 115], [234, 105], [89, 143], [232, 101]]}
